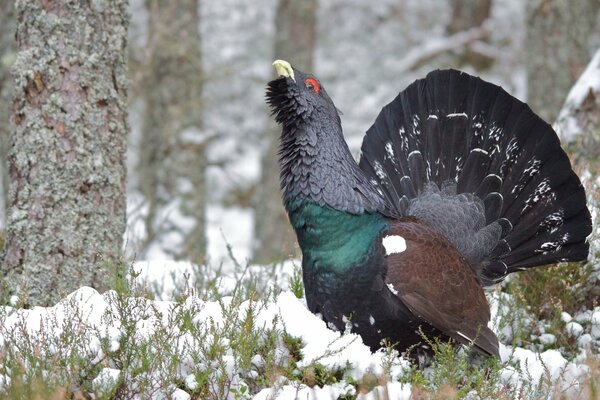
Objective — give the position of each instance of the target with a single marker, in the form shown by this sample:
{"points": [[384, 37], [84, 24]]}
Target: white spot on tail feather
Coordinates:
{"points": [[379, 170], [389, 149], [478, 150], [553, 221], [555, 246], [495, 176], [512, 149], [454, 115], [371, 320], [495, 149], [547, 247], [394, 244], [533, 167], [495, 132], [416, 120], [541, 192]]}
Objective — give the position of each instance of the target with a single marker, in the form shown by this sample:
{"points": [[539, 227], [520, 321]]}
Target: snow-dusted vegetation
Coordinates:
{"points": [[248, 335]]}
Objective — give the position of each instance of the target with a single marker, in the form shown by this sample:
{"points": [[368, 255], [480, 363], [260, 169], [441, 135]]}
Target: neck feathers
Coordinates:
{"points": [[316, 165]]}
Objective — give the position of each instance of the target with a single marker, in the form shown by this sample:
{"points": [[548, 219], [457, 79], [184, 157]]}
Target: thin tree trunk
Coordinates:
{"points": [[173, 152], [295, 26], [66, 214], [7, 55], [557, 36], [468, 14], [578, 123]]}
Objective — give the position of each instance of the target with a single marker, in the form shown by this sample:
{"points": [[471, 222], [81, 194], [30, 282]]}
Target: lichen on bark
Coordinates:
{"points": [[66, 211], [7, 56]]}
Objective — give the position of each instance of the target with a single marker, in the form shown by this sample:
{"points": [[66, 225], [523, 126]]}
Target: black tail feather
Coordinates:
{"points": [[452, 127]]}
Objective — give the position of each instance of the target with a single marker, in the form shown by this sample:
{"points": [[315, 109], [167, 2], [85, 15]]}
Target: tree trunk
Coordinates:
{"points": [[7, 55], [173, 153], [467, 14], [578, 123], [295, 33], [66, 215], [557, 36]]}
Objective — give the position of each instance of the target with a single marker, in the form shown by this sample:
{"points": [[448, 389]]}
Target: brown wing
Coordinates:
{"points": [[437, 284]]}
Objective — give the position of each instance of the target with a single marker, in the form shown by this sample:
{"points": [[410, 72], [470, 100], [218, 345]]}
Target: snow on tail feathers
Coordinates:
{"points": [[479, 165]]}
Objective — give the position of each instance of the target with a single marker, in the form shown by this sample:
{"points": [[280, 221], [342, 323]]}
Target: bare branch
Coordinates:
{"points": [[457, 42]]}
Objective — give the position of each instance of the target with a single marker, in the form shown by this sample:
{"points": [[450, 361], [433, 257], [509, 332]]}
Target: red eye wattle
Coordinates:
{"points": [[312, 84]]}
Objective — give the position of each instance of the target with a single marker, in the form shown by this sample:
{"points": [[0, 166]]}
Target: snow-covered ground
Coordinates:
{"points": [[104, 329]]}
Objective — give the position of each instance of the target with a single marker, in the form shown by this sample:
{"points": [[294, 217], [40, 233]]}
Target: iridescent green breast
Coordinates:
{"points": [[334, 240]]}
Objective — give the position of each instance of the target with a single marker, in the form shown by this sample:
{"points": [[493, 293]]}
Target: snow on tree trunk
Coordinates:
{"points": [[173, 156], [556, 44], [295, 34], [579, 119], [66, 211], [7, 56]]}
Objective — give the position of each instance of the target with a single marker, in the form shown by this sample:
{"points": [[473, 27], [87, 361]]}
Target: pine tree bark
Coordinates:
{"points": [[173, 155], [557, 36], [66, 214], [7, 56], [295, 35]]}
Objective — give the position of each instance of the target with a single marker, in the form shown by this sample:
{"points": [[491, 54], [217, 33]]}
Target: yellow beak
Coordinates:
{"points": [[284, 68]]}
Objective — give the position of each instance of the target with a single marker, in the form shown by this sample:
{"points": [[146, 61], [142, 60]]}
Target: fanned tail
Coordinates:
{"points": [[480, 166]]}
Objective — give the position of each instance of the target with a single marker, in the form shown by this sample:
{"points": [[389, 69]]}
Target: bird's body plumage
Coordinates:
{"points": [[465, 181]]}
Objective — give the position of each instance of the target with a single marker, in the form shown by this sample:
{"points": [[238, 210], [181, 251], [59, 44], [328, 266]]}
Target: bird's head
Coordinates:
{"points": [[315, 161], [296, 97]]}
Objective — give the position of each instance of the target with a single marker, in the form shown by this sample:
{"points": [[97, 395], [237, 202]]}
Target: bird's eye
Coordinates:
{"points": [[312, 84]]}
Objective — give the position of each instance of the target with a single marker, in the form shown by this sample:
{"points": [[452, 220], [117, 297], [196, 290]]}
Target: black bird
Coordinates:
{"points": [[459, 184]]}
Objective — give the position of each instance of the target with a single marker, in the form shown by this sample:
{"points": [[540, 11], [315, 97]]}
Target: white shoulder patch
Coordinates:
{"points": [[394, 244], [392, 289]]}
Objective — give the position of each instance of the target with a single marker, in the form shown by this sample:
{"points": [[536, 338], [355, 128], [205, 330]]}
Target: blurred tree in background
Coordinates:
{"points": [[578, 123], [557, 50], [468, 14], [66, 210], [295, 37], [172, 153]]}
